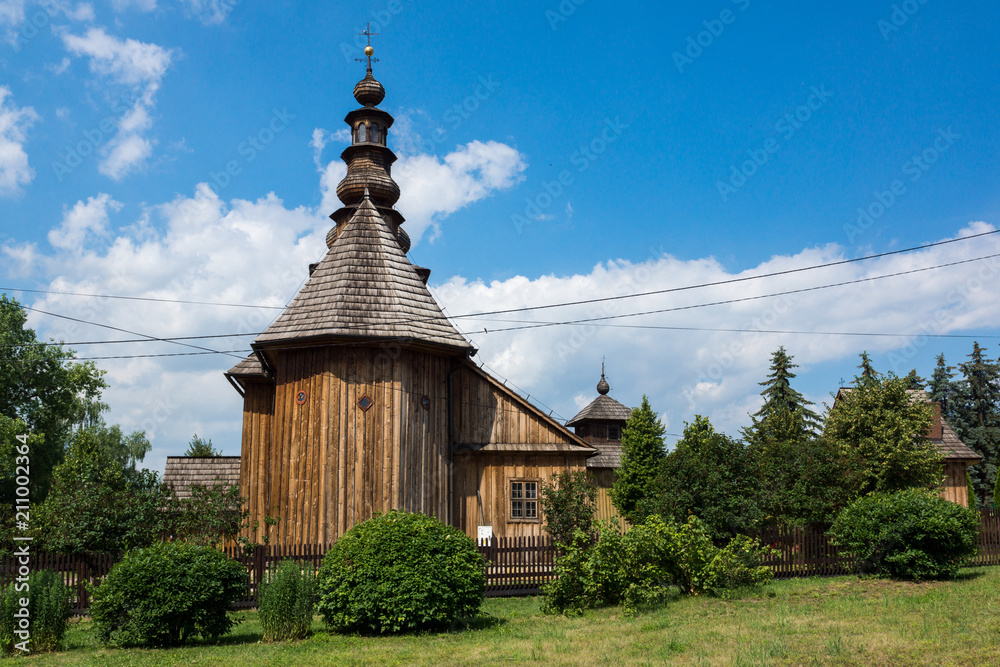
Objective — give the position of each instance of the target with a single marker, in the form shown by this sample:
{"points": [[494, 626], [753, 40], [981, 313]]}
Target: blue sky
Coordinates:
{"points": [[694, 144]]}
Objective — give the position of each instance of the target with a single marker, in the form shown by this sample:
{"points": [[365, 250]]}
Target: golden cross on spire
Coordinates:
{"points": [[368, 49]]}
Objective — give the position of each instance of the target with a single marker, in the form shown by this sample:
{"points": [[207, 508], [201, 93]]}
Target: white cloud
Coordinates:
{"points": [[201, 248], [12, 12], [433, 188], [139, 66], [15, 171], [210, 12], [90, 217], [715, 373]]}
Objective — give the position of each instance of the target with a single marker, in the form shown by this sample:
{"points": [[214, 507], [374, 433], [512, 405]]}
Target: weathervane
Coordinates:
{"points": [[368, 49]]}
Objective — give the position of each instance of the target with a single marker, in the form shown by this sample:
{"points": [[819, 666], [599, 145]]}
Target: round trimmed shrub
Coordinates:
{"points": [[401, 572], [911, 534], [165, 594], [48, 613], [286, 601]]}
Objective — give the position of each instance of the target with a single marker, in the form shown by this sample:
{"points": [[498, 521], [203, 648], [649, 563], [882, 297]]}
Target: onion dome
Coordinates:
{"points": [[602, 387], [368, 91]]}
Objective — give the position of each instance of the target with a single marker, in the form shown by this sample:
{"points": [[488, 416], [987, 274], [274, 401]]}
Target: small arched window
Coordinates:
{"points": [[374, 136], [362, 132], [385, 136]]}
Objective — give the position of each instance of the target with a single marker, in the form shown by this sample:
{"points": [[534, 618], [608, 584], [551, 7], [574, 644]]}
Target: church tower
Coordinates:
{"points": [[361, 396]]}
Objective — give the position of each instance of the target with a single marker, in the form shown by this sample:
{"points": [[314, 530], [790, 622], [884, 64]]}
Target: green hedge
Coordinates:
{"points": [[911, 534], [401, 572], [165, 594]]}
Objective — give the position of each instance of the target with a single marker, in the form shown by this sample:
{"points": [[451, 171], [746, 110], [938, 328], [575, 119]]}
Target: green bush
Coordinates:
{"points": [[165, 594], [401, 572], [569, 500], [286, 601], [648, 564], [911, 534], [737, 566], [48, 612]]}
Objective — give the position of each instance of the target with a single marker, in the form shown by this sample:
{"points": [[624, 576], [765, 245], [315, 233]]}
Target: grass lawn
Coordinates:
{"points": [[828, 621]]}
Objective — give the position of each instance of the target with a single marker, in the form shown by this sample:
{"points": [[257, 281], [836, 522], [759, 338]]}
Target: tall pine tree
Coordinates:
{"points": [[980, 419], [781, 398], [642, 455]]}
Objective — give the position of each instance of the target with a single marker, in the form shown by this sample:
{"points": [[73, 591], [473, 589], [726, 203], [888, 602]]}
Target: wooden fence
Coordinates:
{"points": [[517, 565]]}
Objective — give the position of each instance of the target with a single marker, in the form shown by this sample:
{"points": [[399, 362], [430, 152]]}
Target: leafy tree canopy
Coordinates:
{"points": [[41, 388], [201, 447], [881, 432], [708, 475], [642, 452], [98, 500]]}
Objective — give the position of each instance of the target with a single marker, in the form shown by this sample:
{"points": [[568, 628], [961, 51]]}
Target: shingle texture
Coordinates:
{"points": [[364, 287], [183, 472], [610, 455], [603, 408], [248, 367]]}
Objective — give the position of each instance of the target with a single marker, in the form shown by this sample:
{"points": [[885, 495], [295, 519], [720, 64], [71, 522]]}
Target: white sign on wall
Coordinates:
{"points": [[485, 535]]}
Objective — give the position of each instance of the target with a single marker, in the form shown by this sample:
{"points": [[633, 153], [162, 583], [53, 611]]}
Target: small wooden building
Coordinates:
{"points": [[362, 397], [957, 456], [183, 472], [600, 424]]}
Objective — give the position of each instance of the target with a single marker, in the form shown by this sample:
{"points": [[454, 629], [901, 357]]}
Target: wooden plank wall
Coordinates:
{"points": [[258, 413], [956, 486], [327, 465], [489, 475], [485, 414]]}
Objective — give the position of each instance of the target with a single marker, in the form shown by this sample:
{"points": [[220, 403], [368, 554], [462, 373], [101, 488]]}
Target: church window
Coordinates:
{"points": [[524, 500], [362, 132], [614, 433], [374, 136]]}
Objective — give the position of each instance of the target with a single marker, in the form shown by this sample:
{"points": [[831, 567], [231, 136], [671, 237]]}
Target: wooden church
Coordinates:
{"points": [[361, 397]]}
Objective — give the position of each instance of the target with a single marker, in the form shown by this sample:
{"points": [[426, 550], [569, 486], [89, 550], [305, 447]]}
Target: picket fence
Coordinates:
{"points": [[516, 566]]}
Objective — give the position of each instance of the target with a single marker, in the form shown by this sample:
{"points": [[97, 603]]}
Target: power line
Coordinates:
{"points": [[132, 333], [554, 305], [742, 299], [528, 324]]}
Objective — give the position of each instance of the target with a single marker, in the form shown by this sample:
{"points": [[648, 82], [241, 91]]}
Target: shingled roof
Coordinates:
{"points": [[183, 472], [610, 455], [602, 408], [364, 288], [249, 367]]}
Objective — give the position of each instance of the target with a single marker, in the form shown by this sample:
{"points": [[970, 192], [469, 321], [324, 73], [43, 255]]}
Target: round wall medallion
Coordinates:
{"points": [[300, 397], [425, 402]]}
